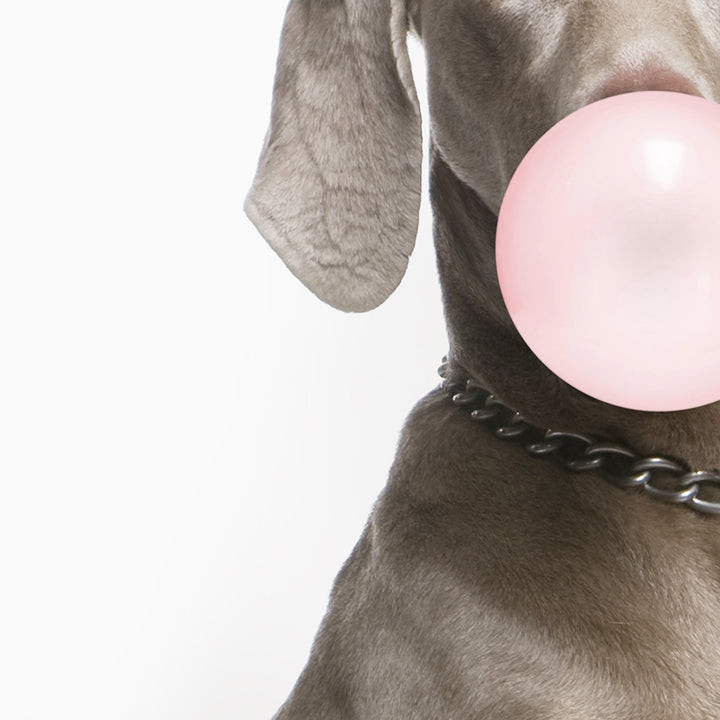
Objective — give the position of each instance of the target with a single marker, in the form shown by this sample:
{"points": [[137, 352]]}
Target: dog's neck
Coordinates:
{"points": [[485, 345]]}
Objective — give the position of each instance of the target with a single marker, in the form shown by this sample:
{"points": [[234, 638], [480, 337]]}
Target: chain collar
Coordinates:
{"points": [[665, 478]]}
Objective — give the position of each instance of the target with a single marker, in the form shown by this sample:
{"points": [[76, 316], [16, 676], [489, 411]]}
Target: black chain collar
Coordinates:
{"points": [[664, 478]]}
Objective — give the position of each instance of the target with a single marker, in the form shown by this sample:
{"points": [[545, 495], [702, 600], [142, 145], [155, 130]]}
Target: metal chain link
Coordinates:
{"points": [[664, 478]]}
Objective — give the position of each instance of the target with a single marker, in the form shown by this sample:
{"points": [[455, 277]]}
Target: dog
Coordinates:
{"points": [[488, 584]]}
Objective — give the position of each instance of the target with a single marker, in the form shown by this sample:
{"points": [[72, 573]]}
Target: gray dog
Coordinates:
{"points": [[489, 583]]}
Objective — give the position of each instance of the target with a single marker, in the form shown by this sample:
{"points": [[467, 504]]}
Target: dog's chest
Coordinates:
{"points": [[487, 586], [561, 645], [438, 619], [549, 599]]}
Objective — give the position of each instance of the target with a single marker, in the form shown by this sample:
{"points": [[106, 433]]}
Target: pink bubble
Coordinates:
{"points": [[608, 250]]}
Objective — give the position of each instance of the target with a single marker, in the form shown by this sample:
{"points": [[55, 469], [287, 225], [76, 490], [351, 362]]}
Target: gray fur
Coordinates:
{"points": [[488, 584]]}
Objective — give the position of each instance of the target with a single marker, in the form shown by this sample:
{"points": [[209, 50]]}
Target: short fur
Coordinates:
{"points": [[488, 584]]}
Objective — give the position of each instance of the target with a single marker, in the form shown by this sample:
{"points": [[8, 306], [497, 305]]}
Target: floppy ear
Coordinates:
{"points": [[337, 191]]}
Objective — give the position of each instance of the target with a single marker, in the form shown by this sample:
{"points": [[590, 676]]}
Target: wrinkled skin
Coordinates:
{"points": [[488, 584]]}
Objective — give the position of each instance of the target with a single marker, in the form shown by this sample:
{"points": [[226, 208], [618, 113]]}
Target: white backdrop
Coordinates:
{"points": [[190, 442]]}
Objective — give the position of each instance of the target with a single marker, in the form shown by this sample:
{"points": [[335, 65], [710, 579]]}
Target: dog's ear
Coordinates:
{"points": [[337, 191]]}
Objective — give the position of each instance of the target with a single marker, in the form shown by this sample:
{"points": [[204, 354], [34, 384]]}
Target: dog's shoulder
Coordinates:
{"points": [[454, 477]]}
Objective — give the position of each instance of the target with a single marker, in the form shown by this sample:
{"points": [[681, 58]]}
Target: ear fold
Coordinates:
{"points": [[337, 191]]}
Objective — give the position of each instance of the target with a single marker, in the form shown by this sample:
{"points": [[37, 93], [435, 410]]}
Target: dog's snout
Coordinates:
{"points": [[648, 78]]}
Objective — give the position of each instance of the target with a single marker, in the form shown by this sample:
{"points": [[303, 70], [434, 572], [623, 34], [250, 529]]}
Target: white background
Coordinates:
{"points": [[190, 442]]}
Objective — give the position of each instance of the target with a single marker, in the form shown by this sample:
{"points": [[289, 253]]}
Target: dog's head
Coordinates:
{"points": [[337, 191]]}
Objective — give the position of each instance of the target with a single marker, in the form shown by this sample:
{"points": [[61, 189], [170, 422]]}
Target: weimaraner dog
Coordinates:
{"points": [[492, 583]]}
